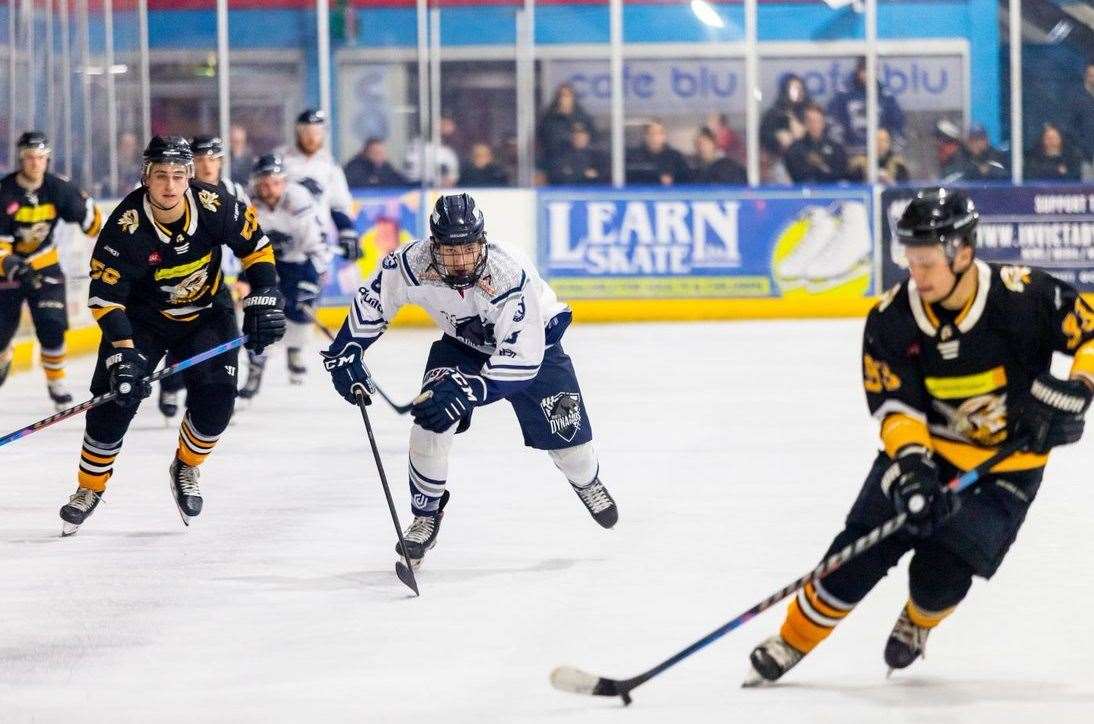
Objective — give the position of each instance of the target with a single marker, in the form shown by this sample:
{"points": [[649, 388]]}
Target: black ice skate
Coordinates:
{"points": [[79, 507], [184, 487], [58, 392], [169, 403], [906, 643], [297, 370], [421, 534], [599, 503], [254, 379], [770, 660], [5, 368]]}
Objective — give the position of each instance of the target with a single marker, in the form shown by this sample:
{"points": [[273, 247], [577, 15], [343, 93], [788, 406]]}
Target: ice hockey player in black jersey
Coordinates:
{"points": [[208, 168], [32, 203], [157, 288], [955, 363]]}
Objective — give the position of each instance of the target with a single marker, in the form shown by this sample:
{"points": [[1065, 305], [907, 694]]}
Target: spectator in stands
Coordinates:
{"points": [[1053, 159], [815, 157], [370, 167], [241, 156], [949, 151], [558, 121], [579, 164], [442, 168], [784, 122], [1082, 115], [710, 166], [982, 161], [892, 169], [452, 136], [727, 141], [483, 171], [655, 161], [848, 111]]}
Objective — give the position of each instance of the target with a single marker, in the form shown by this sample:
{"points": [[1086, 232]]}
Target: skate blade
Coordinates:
{"points": [[296, 380], [69, 529], [753, 679]]}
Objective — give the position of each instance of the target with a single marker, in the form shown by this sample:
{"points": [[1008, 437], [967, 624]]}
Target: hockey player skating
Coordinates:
{"points": [[502, 328], [32, 203], [208, 168], [156, 288], [286, 211], [309, 163], [955, 363]]}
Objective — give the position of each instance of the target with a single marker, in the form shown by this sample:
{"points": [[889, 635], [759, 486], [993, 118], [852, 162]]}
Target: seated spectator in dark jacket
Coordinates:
{"points": [[1053, 159], [564, 111], [982, 161], [782, 123], [483, 170], [816, 158], [579, 164], [370, 167], [891, 166], [656, 162], [848, 110], [709, 166], [1082, 114]]}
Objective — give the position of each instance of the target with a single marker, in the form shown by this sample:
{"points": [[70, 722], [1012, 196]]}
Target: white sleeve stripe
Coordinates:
{"points": [[89, 214], [511, 375], [896, 407]]}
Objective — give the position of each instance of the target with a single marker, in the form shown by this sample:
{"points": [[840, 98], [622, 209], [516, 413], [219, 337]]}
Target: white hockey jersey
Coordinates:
{"points": [[328, 176], [229, 263], [512, 315], [293, 227]]}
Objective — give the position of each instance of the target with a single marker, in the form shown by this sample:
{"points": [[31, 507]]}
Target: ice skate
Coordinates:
{"points": [[254, 379], [79, 507], [598, 501], [821, 226], [297, 370], [169, 403], [184, 488], [906, 643], [770, 660], [58, 392], [847, 256], [421, 534]]}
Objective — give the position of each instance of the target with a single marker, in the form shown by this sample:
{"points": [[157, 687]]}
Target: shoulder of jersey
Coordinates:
{"points": [[506, 275], [210, 200], [411, 261], [299, 199], [9, 180], [893, 307], [127, 217]]}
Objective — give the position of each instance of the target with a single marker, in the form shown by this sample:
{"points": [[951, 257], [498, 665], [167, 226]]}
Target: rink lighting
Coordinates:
{"points": [[707, 14]]}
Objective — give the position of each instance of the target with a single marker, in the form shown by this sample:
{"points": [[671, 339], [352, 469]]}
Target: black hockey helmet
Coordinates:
{"points": [[267, 164], [457, 222], [312, 116], [939, 217], [169, 149], [33, 141], [207, 146]]}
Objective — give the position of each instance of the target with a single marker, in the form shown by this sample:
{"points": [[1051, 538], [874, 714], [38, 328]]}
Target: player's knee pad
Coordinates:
{"points": [[938, 578], [430, 445], [296, 333], [109, 421], [210, 407], [578, 463]]}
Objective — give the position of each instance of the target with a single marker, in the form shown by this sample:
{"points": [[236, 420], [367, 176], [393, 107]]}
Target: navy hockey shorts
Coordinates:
{"points": [[47, 309], [551, 410], [299, 283]]}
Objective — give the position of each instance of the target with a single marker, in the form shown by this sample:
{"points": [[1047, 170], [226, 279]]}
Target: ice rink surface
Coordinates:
{"points": [[733, 451]]}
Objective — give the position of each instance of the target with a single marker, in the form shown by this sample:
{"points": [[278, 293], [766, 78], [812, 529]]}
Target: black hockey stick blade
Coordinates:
{"points": [[406, 577]]}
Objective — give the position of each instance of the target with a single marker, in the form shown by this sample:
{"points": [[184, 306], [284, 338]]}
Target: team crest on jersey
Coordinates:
{"points": [[563, 413], [981, 420], [129, 221], [389, 262], [190, 288], [1015, 278], [209, 199]]}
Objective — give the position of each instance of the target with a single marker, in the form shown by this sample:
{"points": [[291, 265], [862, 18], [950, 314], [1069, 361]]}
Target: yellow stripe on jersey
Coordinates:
{"points": [[966, 457], [956, 388], [899, 430], [35, 214], [99, 312], [183, 270], [96, 223], [263, 254], [49, 257]]}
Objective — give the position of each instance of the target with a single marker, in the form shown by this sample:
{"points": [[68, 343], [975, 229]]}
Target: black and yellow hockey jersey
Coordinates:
{"points": [[953, 381], [29, 218], [168, 275]]}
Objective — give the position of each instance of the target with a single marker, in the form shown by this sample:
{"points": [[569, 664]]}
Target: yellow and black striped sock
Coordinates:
{"points": [[811, 617], [194, 447], [924, 618], [97, 463], [53, 363]]}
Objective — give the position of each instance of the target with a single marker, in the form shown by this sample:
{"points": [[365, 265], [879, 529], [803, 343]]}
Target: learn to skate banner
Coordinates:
{"points": [[1045, 226], [707, 243]]}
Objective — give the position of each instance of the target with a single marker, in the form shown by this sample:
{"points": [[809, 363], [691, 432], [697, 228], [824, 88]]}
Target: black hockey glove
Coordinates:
{"points": [[128, 376], [348, 372], [1054, 414], [453, 397], [913, 486], [17, 269], [349, 244], [263, 318], [280, 242]]}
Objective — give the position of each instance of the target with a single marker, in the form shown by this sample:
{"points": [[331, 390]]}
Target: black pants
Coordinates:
{"points": [[47, 310], [973, 542]]}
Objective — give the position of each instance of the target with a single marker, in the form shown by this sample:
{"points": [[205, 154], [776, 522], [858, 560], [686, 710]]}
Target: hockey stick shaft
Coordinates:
{"points": [[109, 396], [406, 577], [580, 682], [401, 409]]}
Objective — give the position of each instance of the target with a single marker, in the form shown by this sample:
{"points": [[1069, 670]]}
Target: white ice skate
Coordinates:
{"points": [[821, 226], [847, 254], [58, 392]]}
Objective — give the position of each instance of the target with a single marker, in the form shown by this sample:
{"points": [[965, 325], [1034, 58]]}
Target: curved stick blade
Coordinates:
{"points": [[574, 680], [407, 577]]}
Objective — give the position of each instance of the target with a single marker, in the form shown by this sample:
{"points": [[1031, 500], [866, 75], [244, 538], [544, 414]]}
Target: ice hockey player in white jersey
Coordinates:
{"points": [[208, 167], [502, 327], [286, 211], [309, 163]]}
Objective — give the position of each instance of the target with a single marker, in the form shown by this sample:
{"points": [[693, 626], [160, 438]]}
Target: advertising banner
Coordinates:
{"points": [[1050, 227], [631, 244]]}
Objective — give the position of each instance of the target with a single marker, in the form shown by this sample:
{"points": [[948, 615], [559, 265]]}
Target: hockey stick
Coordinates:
{"points": [[577, 681], [400, 409], [405, 572], [108, 396]]}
